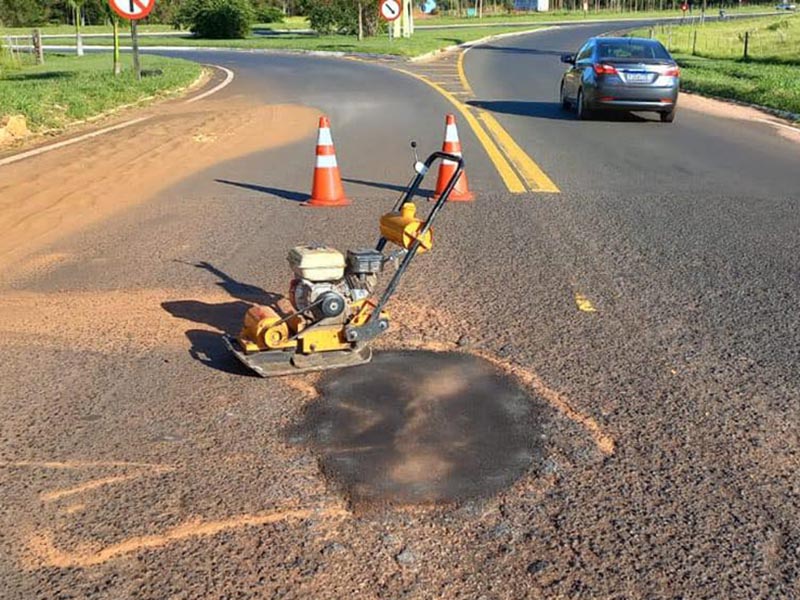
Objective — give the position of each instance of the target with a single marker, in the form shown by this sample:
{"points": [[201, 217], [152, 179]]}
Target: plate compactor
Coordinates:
{"points": [[333, 311]]}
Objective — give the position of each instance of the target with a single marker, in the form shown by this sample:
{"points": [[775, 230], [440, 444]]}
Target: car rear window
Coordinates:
{"points": [[632, 49]]}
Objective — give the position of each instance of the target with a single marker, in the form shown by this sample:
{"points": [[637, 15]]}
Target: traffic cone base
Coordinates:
{"points": [[327, 189], [447, 168]]}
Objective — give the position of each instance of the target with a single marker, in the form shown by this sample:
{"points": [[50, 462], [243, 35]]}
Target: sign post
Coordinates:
{"points": [[133, 10], [391, 11]]}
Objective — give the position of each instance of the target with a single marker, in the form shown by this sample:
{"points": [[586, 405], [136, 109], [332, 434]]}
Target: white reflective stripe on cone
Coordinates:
{"points": [[326, 161], [450, 133], [324, 138]]}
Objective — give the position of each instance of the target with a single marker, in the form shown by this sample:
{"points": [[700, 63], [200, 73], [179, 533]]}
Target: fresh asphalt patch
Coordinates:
{"points": [[422, 427]]}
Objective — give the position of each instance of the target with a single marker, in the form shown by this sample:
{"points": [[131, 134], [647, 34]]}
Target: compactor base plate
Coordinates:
{"points": [[274, 363]]}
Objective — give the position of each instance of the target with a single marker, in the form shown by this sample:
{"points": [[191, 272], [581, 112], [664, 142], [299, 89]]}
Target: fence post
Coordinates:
{"points": [[669, 38], [746, 44], [694, 43], [38, 50]]}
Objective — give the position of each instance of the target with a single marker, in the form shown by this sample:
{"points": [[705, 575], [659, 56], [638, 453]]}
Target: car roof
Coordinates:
{"points": [[624, 40]]}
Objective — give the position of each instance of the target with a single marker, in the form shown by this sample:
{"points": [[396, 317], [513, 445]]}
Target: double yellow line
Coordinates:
{"points": [[518, 171]]}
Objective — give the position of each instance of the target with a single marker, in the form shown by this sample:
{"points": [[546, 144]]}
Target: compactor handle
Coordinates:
{"points": [[375, 325], [417, 181]]}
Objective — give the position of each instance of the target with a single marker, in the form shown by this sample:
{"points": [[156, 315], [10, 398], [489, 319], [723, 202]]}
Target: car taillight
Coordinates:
{"points": [[601, 69], [672, 72]]}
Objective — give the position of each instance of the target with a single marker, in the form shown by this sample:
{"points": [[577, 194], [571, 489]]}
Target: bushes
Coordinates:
{"points": [[341, 16], [267, 14], [219, 19]]}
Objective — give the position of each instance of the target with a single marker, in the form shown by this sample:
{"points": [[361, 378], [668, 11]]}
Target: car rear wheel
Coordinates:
{"points": [[584, 112], [564, 100], [668, 116]]}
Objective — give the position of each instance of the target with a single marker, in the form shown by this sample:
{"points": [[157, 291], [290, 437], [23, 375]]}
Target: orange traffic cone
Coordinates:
{"points": [[327, 189], [452, 145]]}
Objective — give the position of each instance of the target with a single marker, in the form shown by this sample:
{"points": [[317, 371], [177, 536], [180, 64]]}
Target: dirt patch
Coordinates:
{"points": [[107, 321], [13, 128], [729, 110], [58, 193], [420, 428]]}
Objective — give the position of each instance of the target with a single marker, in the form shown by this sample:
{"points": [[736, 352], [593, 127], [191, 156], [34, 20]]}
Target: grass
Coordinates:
{"points": [[574, 15], [773, 85], [488, 20], [86, 29], [69, 88], [423, 41], [715, 65], [771, 39]]}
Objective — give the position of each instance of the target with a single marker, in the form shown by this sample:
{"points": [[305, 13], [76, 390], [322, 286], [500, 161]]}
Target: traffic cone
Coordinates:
{"points": [[452, 145], [327, 189]]}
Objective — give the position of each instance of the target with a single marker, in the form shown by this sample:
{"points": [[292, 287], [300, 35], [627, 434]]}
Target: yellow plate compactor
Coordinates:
{"points": [[333, 312]]}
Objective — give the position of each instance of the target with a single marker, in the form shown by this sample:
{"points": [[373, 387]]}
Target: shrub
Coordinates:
{"points": [[341, 16], [269, 14], [219, 19]]}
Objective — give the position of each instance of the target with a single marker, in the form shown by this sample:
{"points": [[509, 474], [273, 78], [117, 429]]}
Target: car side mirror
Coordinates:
{"points": [[568, 59]]}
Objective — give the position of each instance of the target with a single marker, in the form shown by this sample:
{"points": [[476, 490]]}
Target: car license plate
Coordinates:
{"points": [[638, 77]]}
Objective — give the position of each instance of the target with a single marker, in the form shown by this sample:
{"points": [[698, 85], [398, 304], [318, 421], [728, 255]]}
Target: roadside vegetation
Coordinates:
{"points": [[69, 88], [754, 60], [422, 42], [224, 24]]}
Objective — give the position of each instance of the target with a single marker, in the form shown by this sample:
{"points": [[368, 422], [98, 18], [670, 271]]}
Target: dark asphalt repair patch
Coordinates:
{"points": [[418, 427]]}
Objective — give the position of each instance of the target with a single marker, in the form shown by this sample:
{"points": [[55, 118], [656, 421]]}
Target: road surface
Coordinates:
{"points": [[632, 414]]}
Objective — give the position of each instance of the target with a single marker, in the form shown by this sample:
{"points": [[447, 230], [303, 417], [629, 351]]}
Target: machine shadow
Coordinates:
{"points": [[387, 186], [540, 110], [552, 110], [516, 50], [235, 288], [280, 193], [421, 427], [207, 347]]}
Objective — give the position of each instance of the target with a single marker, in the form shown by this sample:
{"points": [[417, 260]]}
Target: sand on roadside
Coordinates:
{"points": [[52, 195]]}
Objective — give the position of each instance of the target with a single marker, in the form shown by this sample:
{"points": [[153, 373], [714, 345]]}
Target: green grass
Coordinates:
{"points": [[773, 85], [775, 39], [574, 15], [422, 41], [68, 88], [771, 76], [69, 29]]}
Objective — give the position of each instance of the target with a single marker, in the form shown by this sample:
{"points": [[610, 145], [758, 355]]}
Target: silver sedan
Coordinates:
{"points": [[633, 74]]}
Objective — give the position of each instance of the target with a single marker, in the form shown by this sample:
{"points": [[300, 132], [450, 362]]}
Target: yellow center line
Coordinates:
{"points": [[502, 149], [507, 174], [584, 304], [462, 75], [537, 180]]}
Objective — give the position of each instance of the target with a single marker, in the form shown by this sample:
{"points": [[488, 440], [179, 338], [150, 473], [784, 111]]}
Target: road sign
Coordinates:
{"points": [[132, 9], [684, 7], [391, 9]]}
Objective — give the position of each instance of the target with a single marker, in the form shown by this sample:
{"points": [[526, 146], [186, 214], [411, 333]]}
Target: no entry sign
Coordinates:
{"points": [[132, 9], [391, 9]]}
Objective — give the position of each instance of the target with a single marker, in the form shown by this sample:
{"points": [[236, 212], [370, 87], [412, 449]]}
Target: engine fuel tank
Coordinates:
{"points": [[403, 228]]}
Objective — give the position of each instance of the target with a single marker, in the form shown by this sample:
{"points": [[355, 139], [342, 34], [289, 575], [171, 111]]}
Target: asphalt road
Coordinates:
{"points": [[662, 459]]}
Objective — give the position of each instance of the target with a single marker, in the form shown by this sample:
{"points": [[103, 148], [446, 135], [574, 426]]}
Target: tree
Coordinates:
{"points": [[348, 17], [22, 13], [77, 6], [219, 19]]}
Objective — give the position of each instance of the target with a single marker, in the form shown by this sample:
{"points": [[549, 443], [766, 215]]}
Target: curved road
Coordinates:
{"points": [[665, 456]]}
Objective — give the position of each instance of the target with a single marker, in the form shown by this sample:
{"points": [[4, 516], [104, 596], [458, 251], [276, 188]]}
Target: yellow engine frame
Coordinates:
{"points": [[263, 331]]}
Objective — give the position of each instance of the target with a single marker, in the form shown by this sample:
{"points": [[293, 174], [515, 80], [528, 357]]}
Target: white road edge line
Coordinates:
{"points": [[37, 151], [792, 128], [76, 140], [228, 79]]}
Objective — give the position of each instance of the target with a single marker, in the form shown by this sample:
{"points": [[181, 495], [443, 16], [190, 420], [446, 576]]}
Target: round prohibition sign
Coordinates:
{"points": [[391, 9], [132, 9]]}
